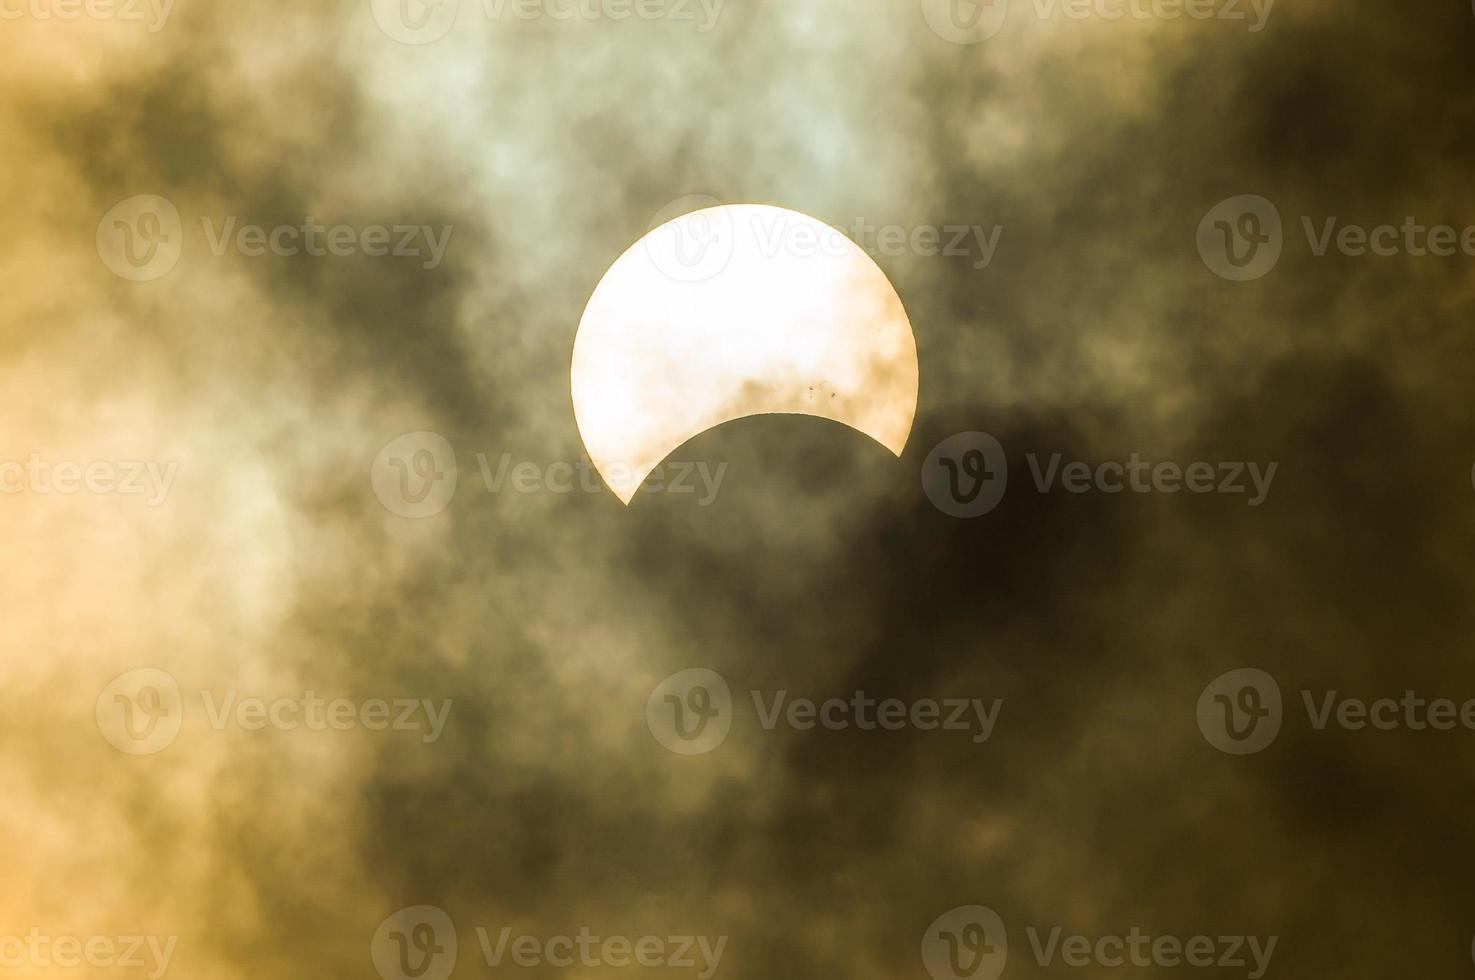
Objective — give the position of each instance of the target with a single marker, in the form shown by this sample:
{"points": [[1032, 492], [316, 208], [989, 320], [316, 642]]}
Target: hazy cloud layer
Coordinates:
{"points": [[543, 148]]}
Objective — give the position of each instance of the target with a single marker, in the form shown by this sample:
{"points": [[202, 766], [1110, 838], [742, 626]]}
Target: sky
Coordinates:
{"points": [[271, 714]]}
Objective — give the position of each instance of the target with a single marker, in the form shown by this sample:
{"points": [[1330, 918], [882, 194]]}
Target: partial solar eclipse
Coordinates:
{"points": [[734, 311]]}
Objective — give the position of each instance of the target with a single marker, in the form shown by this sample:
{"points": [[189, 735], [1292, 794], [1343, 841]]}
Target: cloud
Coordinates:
{"points": [[545, 147]]}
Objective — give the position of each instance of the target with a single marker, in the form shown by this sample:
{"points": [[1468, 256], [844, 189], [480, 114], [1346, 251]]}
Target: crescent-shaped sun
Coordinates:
{"points": [[736, 311]]}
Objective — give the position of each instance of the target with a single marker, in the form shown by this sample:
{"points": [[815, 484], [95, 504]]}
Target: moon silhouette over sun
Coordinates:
{"points": [[730, 312]]}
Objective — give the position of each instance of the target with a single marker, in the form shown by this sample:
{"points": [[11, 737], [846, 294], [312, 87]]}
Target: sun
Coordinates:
{"points": [[730, 312]]}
